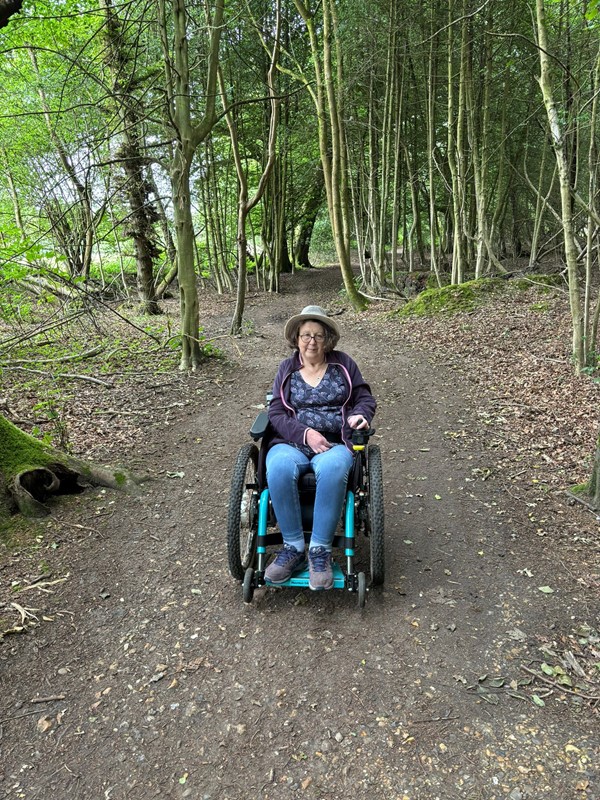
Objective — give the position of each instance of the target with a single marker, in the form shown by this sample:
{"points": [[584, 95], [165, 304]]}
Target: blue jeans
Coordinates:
{"points": [[285, 465]]}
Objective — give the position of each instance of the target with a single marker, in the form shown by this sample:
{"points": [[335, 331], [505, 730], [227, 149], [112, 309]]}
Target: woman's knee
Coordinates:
{"points": [[333, 465], [281, 464]]}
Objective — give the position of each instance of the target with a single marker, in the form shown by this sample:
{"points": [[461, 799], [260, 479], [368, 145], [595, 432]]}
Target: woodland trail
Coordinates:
{"points": [[160, 682]]}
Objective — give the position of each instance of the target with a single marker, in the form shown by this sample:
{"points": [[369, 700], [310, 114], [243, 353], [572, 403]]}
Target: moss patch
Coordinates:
{"points": [[120, 478], [540, 282], [579, 489], [19, 451], [17, 532], [451, 299]]}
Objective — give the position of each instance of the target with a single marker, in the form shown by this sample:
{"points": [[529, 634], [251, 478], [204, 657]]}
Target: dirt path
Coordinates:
{"points": [[171, 687]]}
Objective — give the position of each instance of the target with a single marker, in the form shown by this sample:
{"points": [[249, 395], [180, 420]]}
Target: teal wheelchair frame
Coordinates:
{"points": [[252, 526]]}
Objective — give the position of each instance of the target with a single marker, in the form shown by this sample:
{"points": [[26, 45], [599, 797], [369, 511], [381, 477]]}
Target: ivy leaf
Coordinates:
{"points": [[538, 701]]}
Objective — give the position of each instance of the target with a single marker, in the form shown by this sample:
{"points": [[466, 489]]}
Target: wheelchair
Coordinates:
{"points": [[252, 526]]}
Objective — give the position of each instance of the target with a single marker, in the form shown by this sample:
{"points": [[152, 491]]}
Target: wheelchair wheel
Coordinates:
{"points": [[242, 518], [248, 585], [361, 589], [375, 526]]}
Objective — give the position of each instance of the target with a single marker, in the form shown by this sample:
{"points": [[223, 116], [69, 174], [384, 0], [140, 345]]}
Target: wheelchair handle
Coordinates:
{"points": [[361, 437]]}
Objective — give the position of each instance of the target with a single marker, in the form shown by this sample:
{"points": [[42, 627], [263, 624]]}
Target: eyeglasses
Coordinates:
{"points": [[306, 337]]}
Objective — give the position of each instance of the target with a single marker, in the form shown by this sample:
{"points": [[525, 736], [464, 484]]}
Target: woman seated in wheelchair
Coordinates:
{"points": [[319, 396]]}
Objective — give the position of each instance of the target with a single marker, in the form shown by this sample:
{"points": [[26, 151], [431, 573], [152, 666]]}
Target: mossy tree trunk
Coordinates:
{"points": [[594, 484], [31, 472]]}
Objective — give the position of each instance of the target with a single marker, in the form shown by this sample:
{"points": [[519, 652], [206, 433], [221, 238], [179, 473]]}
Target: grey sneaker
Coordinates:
{"points": [[319, 568], [286, 562]]}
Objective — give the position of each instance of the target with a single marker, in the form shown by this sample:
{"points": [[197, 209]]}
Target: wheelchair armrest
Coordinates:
{"points": [[260, 425]]}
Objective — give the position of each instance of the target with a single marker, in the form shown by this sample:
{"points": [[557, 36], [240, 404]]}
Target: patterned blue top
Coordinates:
{"points": [[320, 407]]}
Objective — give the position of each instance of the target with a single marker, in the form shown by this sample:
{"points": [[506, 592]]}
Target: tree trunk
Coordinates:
{"points": [[85, 226], [246, 204], [589, 493], [456, 152], [307, 219], [14, 196], [188, 133], [332, 146], [31, 472], [566, 198], [142, 215]]}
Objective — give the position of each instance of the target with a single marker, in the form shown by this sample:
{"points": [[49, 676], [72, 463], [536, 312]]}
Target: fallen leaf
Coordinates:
{"points": [[517, 634], [538, 701], [44, 724]]}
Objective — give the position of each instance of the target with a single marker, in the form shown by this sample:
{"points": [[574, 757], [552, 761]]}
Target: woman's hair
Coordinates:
{"points": [[331, 337]]}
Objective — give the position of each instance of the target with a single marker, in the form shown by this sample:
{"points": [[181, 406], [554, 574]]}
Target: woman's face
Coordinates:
{"points": [[314, 333]]}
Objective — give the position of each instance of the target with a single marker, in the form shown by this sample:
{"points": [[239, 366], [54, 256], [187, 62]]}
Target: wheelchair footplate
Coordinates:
{"points": [[300, 579]]}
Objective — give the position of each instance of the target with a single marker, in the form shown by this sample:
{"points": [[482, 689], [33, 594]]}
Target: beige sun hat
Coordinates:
{"points": [[315, 313]]}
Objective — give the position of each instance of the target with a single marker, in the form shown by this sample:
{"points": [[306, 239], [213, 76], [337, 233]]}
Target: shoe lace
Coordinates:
{"points": [[286, 555], [320, 559]]}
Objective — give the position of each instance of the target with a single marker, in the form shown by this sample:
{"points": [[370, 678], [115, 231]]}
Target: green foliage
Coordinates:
{"points": [[593, 11], [322, 247], [451, 299]]}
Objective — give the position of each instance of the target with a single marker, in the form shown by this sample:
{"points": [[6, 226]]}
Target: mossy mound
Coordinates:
{"points": [[451, 299], [534, 281]]}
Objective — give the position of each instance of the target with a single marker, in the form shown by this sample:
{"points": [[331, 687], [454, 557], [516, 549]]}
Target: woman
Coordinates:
{"points": [[319, 396]]}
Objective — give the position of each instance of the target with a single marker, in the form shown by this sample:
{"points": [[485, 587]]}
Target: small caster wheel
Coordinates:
{"points": [[248, 585], [361, 589]]}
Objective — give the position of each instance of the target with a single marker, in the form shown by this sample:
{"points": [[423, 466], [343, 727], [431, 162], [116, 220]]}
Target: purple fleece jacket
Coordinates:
{"points": [[282, 415]]}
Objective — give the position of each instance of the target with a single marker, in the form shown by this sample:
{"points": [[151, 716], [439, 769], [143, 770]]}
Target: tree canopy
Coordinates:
{"points": [[456, 138]]}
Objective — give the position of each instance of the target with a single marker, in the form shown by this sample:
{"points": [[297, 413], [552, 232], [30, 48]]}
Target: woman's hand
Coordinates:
{"points": [[317, 442], [357, 421]]}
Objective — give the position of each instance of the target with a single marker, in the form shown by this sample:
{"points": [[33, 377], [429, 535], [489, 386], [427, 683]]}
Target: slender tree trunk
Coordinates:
{"points": [[593, 487], [14, 196], [432, 71], [307, 218], [331, 141], [589, 318], [86, 229], [142, 215], [540, 206], [456, 152], [564, 175], [188, 134], [246, 204]]}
